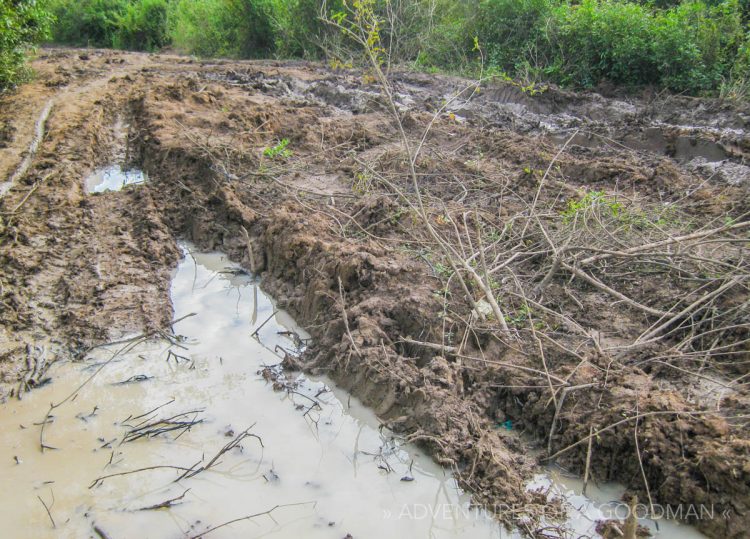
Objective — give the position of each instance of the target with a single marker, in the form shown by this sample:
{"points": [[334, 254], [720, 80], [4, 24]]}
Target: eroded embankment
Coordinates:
{"points": [[86, 268], [385, 295], [454, 411]]}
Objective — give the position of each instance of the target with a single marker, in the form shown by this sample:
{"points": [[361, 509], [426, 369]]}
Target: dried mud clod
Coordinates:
{"points": [[329, 227]]}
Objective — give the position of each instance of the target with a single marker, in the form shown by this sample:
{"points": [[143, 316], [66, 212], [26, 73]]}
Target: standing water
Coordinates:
{"points": [[113, 178], [131, 444], [312, 452]]}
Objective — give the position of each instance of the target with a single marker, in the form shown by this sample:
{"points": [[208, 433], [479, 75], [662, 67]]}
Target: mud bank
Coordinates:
{"points": [[333, 240]]}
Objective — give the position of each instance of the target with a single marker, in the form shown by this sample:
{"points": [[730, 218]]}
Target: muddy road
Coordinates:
{"points": [[613, 233]]}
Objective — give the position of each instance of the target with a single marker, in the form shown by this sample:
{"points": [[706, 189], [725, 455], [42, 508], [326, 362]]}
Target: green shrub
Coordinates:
{"points": [[142, 26], [22, 24], [87, 22], [239, 28], [514, 32], [686, 48], [444, 34], [196, 27], [298, 28], [601, 40], [736, 85], [693, 46]]}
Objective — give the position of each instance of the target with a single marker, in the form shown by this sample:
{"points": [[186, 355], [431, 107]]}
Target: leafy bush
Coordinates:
{"points": [[240, 28], [22, 24], [142, 26], [737, 84], [690, 47], [514, 31], [444, 33], [685, 48], [87, 22], [298, 29], [601, 40], [693, 46]]}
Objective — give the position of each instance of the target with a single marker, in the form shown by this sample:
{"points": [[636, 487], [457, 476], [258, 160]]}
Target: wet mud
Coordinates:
{"points": [[155, 408], [349, 262]]}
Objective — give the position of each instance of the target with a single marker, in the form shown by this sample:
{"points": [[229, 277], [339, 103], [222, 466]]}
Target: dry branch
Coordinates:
{"points": [[249, 517], [166, 504]]}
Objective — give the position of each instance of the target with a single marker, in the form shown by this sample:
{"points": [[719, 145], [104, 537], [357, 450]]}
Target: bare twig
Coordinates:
{"points": [[166, 504], [345, 317], [48, 509], [249, 517]]}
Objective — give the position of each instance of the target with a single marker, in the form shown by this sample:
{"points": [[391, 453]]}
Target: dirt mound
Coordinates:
{"points": [[596, 222]]}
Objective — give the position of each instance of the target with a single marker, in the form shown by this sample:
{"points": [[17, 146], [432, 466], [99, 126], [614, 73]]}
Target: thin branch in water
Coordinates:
{"points": [[255, 333], [129, 344], [99, 480], [49, 508], [193, 471], [166, 504], [248, 517]]}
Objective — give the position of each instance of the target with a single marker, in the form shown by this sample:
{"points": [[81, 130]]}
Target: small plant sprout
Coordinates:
{"points": [[280, 150], [591, 201], [362, 183]]}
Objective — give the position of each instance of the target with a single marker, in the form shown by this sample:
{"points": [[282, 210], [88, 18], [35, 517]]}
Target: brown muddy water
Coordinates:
{"points": [[653, 140], [320, 458], [346, 475]]}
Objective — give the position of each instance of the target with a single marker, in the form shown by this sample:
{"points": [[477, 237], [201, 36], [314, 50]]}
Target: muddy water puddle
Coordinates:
{"points": [[152, 412], [113, 178], [603, 501], [318, 455], [682, 148]]}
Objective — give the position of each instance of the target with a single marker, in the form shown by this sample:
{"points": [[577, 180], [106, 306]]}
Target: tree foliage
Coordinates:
{"points": [[693, 46], [23, 23]]}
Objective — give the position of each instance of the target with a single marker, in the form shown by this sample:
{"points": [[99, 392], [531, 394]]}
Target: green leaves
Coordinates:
{"points": [[592, 201], [280, 150], [690, 47], [24, 24]]}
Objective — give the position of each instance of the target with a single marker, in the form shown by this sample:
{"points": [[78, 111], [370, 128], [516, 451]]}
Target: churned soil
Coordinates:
{"points": [[323, 219]]}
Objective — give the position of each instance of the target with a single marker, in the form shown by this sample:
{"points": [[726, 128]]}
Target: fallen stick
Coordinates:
{"points": [[193, 471], [677, 239], [46, 508], [31, 192], [166, 504], [162, 426], [255, 333], [643, 471], [345, 317], [558, 407], [691, 308], [101, 479], [596, 283], [512, 366], [150, 411], [248, 517], [587, 469], [249, 246], [432, 346]]}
